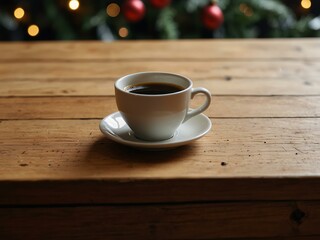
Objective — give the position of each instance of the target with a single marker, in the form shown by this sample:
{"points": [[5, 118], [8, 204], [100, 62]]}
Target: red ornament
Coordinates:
{"points": [[212, 16], [133, 10], [160, 3]]}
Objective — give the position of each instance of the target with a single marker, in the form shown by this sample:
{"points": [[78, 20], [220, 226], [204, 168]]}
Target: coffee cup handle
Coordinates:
{"points": [[203, 107]]}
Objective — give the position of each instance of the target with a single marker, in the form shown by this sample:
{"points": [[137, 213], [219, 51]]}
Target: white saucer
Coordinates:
{"points": [[116, 129]]}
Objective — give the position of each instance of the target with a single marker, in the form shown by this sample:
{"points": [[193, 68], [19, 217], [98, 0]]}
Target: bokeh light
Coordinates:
{"points": [[113, 10], [18, 13], [33, 30], [306, 4], [74, 4], [123, 32]]}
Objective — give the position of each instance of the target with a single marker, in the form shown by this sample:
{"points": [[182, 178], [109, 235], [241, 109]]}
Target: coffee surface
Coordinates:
{"points": [[154, 88]]}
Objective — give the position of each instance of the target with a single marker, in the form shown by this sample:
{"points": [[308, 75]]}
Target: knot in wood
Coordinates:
{"points": [[297, 216]]}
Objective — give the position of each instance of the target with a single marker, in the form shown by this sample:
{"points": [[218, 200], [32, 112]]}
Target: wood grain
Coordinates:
{"points": [[97, 78], [165, 221], [75, 149], [99, 107], [200, 69], [97, 191], [181, 49], [104, 87]]}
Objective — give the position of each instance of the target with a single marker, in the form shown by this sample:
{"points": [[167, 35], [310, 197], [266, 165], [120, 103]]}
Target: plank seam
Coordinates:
{"points": [[182, 59], [113, 96], [99, 118], [146, 204]]}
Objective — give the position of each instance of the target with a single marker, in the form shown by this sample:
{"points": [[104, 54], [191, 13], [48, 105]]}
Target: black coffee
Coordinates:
{"points": [[154, 88]]}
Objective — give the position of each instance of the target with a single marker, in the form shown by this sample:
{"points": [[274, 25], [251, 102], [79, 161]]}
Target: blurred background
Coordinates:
{"points": [[30, 20]]}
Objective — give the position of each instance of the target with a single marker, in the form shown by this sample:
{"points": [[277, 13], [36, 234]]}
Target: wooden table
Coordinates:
{"points": [[255, 175]]}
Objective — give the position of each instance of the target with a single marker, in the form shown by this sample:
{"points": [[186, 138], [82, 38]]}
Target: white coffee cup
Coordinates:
{"points": [[156, 117]]}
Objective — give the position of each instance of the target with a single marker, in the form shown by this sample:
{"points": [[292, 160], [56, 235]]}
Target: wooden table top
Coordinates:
{"points": [[264, 144]]}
